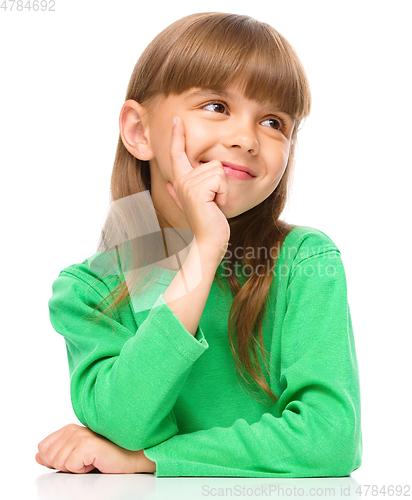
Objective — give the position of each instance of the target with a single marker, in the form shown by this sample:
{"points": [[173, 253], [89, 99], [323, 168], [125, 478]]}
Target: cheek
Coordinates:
{"points": [[279, 161], [276, 165], [161, 141], [198, 135]]}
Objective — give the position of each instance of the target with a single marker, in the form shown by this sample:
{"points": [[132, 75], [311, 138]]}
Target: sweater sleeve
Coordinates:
{"points": [[117, 383], [314, 429]]}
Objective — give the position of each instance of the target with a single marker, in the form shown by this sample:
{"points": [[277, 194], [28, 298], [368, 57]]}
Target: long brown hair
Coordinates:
{"points": [[212, 50]]}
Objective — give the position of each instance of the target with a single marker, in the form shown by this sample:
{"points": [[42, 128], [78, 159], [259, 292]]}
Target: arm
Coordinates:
{"points": [[314, 429], [118, 384], [192, 285]]}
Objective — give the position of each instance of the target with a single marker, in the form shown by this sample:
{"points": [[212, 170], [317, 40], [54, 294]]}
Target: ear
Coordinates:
{"points": [[134, 130]]}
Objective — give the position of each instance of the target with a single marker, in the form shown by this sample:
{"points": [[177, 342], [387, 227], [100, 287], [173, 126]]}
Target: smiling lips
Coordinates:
{"points": [[236, 171]]}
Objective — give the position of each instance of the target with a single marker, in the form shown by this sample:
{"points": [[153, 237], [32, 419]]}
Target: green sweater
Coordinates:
{"points": [[144, 382]]}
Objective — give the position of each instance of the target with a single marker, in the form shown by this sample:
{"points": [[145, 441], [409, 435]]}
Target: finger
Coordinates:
{"points": [[60, 459], [61, 449], [81, 460], [180, 161], [51, 438], [48, 457], [201, 172], [216, 183], [42, 461], [40, 456], [50, 445], [45, 443]]}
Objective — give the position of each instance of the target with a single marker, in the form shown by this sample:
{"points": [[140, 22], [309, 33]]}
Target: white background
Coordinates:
{"points": [[63, 81]]}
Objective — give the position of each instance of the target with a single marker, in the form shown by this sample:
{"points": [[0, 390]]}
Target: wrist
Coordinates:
{"points": [[213, 253], [142, 463]]}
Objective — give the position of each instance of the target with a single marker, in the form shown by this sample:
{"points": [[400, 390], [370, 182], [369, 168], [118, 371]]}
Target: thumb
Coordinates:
{"points": [[221, 199], [85, 469], [172, 192]]}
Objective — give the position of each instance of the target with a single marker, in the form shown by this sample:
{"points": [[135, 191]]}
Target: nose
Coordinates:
{"points": [[241, 135]]}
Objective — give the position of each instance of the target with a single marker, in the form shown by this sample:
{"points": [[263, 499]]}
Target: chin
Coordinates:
{"points": [[230, 213]]}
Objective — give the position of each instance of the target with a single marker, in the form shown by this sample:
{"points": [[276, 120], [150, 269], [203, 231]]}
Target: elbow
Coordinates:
{"points": [[344, 454], [343, 447]]}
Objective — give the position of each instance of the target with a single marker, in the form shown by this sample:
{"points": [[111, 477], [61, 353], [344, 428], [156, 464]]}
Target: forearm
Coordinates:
{"points": [[188, 292]]}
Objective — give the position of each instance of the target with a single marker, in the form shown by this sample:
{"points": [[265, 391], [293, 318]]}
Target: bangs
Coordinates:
{"points": [[215, 51]]}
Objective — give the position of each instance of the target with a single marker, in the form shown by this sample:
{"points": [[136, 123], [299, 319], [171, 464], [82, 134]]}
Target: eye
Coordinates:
{"points": [[215, 103], [276, 120]]}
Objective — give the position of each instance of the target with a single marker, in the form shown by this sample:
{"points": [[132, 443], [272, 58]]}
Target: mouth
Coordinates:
{"points": [[237, 171]]}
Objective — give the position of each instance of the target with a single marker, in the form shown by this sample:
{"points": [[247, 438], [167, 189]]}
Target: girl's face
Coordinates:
{"points": [[227, 127]]}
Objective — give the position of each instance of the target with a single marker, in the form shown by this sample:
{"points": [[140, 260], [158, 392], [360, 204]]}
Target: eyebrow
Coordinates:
{"points": [[228, 95]]}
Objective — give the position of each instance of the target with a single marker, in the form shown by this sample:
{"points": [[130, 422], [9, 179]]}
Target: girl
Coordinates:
{"points": [[166, 373]]}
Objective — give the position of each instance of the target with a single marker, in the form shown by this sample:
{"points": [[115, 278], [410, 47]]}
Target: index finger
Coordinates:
{"points": [[180, 161]]}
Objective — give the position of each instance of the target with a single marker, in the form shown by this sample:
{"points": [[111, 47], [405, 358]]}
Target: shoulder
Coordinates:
{"points": [[98, 274], [81, 295], [307, 247], [303, 242]]}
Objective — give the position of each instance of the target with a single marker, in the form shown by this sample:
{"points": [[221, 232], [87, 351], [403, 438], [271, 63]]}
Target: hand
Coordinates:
{"points": [[78, 449], [197, 192]]}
